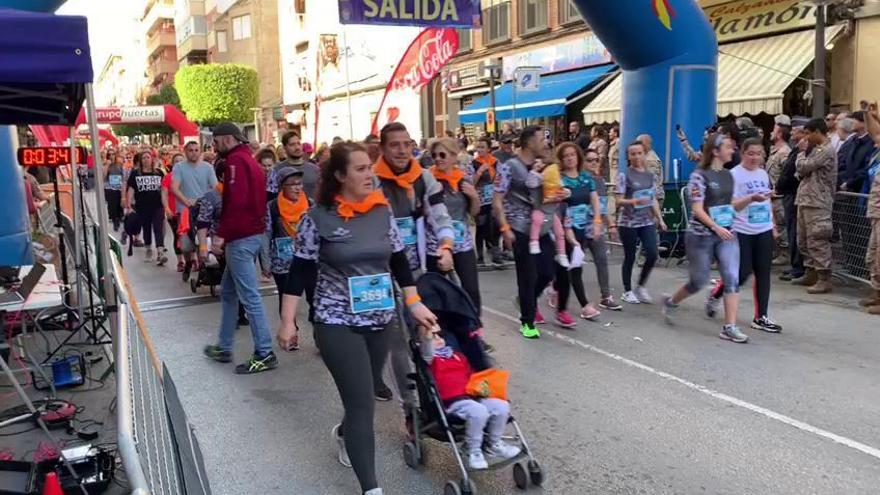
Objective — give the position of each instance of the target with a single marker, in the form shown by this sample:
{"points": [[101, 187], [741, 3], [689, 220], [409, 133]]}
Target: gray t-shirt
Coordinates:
{"points": [[636, 184], [195, 180]]}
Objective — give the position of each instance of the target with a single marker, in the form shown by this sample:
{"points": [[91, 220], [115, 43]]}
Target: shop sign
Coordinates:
{"points": [[581, 52], [751, 18], [433, 13]]}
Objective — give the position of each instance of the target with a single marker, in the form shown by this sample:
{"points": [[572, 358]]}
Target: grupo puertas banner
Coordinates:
{"points": [[435, 13], [427, 54]]}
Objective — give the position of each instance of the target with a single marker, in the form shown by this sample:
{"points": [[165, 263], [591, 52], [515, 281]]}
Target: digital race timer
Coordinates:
{"points": [[49, 156]]}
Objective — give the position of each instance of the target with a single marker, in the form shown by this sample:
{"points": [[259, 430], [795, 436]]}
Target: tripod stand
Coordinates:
{"points": [[93, 320]]}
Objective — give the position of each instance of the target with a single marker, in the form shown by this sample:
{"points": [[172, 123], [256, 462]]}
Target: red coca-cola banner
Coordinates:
{"points": [[426, 56]]}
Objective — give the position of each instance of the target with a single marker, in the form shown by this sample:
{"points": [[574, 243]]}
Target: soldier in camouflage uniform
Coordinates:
{"points": [[872, 256], [779, 152], [654, 165], [817, 171]]}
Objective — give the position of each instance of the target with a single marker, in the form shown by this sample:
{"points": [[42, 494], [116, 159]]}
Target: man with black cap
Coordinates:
{"points": [[239, 238], [505, 151]]}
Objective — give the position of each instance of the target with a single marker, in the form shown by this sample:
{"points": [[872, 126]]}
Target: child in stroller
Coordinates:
{"points": [[445, 360]]}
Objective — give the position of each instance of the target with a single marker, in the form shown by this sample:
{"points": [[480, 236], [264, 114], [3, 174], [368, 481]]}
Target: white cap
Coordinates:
{"points": [[783, 119]]}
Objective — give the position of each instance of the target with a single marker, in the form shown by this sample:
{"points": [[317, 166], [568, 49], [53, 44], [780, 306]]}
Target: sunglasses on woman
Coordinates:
{"points": [[439, 154]]}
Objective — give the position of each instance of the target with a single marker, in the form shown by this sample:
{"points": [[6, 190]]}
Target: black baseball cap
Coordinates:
{"points": [[508, 138], [229, 129], [288, 172]]}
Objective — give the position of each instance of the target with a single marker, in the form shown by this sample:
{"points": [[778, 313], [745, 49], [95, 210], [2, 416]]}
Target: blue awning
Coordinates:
{"points": [[556, 91]]}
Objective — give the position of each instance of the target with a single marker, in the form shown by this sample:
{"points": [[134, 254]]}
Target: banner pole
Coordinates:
{"points": [[347, 84]]}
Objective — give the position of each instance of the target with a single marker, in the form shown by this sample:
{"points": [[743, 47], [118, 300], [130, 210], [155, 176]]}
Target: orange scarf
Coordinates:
{"points": [[219, 188], [491, 162], [292, 211], [348, 210], [452, 178], [404, 180]]}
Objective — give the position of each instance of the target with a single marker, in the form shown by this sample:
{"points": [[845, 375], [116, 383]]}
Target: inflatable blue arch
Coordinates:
{"points": [[668, 53]]}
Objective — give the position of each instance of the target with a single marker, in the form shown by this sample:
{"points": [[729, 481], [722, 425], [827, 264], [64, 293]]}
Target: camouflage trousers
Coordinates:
{"points": [[779, 220], [814, 231], [872, 257]]}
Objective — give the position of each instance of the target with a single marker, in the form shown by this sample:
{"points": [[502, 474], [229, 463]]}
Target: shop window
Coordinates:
{"points": [[222, 46], [533, 16], [241, 27], [568, 13], [496, 22], [465, 42]]}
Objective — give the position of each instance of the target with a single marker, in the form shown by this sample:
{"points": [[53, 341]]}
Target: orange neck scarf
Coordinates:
{"points": [[452, 178], [219, 187], [348, 209], [491, 162], [292, 211], [404, 180]]}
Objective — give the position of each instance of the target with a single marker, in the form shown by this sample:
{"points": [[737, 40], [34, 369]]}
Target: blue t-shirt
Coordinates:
{"points": [[195, 180]]}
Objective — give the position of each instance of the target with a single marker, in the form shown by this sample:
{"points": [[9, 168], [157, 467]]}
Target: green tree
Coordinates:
{"points": [[212, 93], [167, 95]]}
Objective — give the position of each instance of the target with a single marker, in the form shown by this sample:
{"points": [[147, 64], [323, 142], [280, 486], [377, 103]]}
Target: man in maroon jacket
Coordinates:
{"points": [[242, 224]]}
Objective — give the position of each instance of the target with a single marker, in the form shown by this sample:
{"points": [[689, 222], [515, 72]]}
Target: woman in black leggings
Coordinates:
{"points": [[638, 221], [756, 232], [463, 204], [144, 195], [349, 242]]}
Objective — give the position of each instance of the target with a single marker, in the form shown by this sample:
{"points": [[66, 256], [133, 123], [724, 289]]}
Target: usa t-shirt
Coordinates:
{"points": [[756, 218]]}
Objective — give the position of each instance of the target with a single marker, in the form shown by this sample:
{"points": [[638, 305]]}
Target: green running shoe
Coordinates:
{"points": [[257, 364], [529, 331]]}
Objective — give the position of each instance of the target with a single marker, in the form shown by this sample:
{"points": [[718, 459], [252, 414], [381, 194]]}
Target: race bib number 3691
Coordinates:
{"points": [[371, 293]]}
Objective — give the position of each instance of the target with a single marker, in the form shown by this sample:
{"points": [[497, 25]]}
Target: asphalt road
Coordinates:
{"points": [[627, 405]]}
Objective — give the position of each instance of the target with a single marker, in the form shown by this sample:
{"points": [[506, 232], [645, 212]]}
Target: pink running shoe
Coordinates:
{"points": [[539, 318], [564, 320], [589, 312]]}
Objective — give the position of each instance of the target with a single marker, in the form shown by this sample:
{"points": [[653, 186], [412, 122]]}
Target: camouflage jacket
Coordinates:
{"points": [[818, 175]]}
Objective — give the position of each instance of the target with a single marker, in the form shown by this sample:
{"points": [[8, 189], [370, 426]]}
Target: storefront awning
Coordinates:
{"points": [[556, 91], [752, 76]]}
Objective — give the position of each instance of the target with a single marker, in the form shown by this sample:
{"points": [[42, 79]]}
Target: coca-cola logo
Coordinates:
{"points": [[425, 58]]}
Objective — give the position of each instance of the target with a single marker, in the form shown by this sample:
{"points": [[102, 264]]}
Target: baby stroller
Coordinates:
{"points": [[459, 321], [210, 272]]}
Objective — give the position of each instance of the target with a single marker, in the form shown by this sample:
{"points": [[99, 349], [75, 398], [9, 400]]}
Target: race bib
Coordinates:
{"points": [[114, 180], [759, 214], [722, 215], [284, 248], [578, 215], [603, 204], [460, 229], [407, 228], [371, 293], [644, 193], [486, 192]]}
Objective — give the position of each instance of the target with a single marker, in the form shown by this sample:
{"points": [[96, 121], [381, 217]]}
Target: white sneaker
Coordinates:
{"points": [[476, 460], [642, 294], [562, 260], [534, 247], [630, 297], [501, 450], [374, 491], [343, 454]]}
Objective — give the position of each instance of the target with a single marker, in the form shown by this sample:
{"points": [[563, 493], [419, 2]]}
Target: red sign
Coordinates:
{"points": [[426, 56], [49, 156]]}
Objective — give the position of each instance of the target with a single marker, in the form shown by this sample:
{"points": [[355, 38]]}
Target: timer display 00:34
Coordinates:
{"points": [[49, 156]]}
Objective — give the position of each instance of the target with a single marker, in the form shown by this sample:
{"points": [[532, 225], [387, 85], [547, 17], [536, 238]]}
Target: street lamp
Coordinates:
{"points": [[492, 71], [256, 111]]}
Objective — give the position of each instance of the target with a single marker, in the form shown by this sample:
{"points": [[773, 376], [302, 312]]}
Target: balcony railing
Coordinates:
{"points": [[160, 39], [161, 10]]}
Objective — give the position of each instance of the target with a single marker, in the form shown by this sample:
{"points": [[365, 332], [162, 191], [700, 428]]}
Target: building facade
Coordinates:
{"points": [[335, 76], [191, 32], [246, 32], [157, 23], [120, 82]]}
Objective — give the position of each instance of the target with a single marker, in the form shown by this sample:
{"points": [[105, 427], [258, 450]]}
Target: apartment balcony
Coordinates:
{"points": [[195, 43], [158, 12], [161, 66], [160, 39]]}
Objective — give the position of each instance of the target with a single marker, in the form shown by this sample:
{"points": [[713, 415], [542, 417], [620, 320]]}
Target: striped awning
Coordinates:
{"points": [[752, 76]]}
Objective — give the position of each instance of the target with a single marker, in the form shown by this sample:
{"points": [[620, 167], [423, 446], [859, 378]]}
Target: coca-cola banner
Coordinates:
{"points": [[426, 56], [436, 13]]}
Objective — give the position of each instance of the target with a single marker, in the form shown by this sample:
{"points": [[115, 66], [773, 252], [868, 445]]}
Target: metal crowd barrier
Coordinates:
{"points": [[852, 232]]}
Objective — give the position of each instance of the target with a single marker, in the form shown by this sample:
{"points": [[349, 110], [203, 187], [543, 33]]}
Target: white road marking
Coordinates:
{"points": [[853, 444]]}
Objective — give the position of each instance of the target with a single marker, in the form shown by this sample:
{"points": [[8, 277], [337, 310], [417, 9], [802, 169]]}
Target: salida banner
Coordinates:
{"points": [[437, 13], [426, 56]]}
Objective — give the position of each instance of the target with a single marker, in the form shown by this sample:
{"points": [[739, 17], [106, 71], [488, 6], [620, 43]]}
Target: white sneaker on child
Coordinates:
{"points": [[501, 450], [476, 460], [562, 260], [534, 247]]}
